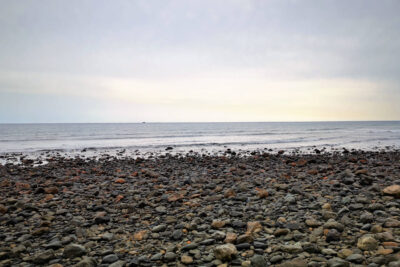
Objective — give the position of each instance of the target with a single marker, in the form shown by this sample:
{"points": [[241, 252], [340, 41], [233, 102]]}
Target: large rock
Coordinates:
{"points": [[393, 190], [367, 242], [225, 252]]}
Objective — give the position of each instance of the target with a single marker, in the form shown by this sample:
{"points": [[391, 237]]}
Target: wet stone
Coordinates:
{"points": [[110, 258]]}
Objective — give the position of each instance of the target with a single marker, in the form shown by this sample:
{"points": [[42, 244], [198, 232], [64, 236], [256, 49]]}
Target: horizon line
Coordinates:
{"points": [[176, 122]]}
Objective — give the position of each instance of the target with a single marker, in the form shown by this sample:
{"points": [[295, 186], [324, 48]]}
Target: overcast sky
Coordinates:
{"points": [[206, 60]]}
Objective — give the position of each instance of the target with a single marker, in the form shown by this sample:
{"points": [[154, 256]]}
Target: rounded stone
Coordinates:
{"points": [[186, 259], [225, 252], [367, 242], [258, 261]]}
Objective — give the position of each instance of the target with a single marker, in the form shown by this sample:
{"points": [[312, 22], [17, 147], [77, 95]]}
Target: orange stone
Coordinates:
{"points": [[120, 181], [390, 244], [229, 193], [302, 162], [384, 251], [217, 224], [363, 171], [313, 172], [22, 185], [262, 193], [175, 197], [230, 237], [140, 235], [119, 198], [326, 231], [51, 190], [253, 227], [49, 197]]}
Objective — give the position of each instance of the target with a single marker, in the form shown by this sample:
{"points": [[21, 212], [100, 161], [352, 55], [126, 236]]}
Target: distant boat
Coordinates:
{"points": [[143, 122]]}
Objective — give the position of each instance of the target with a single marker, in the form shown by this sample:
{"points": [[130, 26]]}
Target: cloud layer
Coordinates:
{"points": [[126, 61]]}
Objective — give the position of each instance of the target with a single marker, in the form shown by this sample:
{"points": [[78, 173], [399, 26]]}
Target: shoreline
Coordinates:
{"points": [[41, 157], [278, 208]]}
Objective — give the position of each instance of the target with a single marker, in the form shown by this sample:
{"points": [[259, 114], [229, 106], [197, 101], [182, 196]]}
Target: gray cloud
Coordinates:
{"points": [[161, 40]]}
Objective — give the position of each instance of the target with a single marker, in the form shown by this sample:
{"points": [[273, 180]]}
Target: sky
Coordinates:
{"points": [[199, 60]]}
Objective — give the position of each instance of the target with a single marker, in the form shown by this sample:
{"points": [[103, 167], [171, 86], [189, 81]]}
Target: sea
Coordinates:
{"points": [[187, 137]]}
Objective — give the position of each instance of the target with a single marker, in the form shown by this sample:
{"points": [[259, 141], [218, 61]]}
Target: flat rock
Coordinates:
{"points": [[74, 250]]}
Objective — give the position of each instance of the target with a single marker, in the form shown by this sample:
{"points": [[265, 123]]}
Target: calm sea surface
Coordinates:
{"points": [[198, 136]]}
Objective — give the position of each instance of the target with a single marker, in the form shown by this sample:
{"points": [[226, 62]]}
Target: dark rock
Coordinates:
{"points": [[74, 250], [332, 235], [258, 261], [110, 258]]}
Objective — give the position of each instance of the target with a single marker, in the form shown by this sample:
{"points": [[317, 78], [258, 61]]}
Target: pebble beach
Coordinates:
{"points": [[260, 209]]}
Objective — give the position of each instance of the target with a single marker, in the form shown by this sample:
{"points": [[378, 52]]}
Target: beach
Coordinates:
{"points": [[199, 133], [278, 208]]}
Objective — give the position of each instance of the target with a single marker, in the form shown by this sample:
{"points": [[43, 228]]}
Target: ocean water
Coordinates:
{"points": [[184, 137]]}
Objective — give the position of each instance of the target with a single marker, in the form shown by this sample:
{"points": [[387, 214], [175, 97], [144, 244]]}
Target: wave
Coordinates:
{"points": [[135, 137]]}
